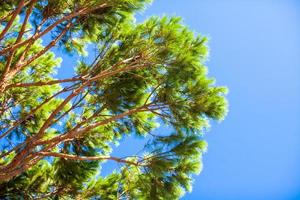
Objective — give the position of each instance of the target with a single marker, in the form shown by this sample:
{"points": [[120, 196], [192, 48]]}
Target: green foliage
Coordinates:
{"points": [[155, 70]]}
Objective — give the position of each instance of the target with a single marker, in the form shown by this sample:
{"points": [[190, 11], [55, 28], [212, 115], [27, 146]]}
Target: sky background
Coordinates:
{"points": [[254, 154], [255, 52]]}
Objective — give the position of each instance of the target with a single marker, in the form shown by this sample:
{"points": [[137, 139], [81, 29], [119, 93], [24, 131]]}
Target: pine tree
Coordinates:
{"points": [[56, 133]]}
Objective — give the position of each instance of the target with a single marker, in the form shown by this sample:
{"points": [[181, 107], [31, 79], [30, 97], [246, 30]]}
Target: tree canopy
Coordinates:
{"points": [[56, 133]]}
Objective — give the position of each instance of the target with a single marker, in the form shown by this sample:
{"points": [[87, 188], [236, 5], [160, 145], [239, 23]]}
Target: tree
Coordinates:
{"points": [[55, 133]]}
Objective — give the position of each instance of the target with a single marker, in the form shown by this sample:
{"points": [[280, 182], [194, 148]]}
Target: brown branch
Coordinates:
{"points": [[6, 16], [12, 54], [26, 155], [32, 112], [3, 18], [13, 17], [12, 150], [57, 110], [34, 38], [78, 90], [27, 158], [33, 58], [152, 92], [43, 83], [71, 96], [70, 109], [76, 133], [42, 52], [8, 172], [38, 35], [159, 114], [87, 158], [28, 13], [20, 35]]}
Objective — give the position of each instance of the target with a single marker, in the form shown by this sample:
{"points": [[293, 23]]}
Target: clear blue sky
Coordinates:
{"points": [[255, 50]]}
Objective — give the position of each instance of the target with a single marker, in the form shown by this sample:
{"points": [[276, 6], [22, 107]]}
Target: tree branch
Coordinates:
{"points": [[13, 17], [19, 38], [33, 111], [43, 83], [76, 13], [42, 52], [87, 158], [3, 18]]}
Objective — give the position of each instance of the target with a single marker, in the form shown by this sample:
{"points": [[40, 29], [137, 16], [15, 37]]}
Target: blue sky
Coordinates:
{"points": [[255, 51]]}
